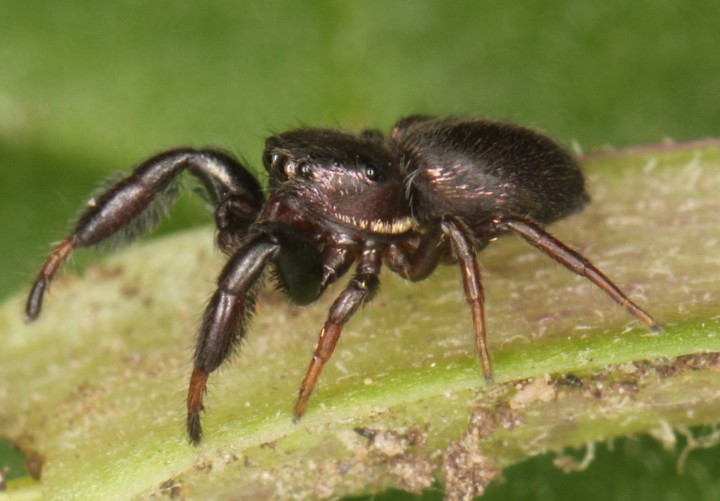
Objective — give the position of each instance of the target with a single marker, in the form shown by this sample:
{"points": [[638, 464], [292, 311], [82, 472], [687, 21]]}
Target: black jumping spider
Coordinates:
{"points": [[435, 189]]}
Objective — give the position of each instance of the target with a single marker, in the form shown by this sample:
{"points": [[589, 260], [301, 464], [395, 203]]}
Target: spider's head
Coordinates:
{"points": [[339, 178]]}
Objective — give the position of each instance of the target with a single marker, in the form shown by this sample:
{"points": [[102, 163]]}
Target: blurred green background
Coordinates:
{"points": [[88, 88]]}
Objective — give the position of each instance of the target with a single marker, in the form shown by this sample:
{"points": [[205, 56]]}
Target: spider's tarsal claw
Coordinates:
{"points": [[301, 405], [198, 384], [34, 300], [487, 371], [194, 428], [52, 264], [656, 327]]}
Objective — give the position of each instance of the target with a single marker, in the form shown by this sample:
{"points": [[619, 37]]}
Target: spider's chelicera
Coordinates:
{"points": [[436, 189]]}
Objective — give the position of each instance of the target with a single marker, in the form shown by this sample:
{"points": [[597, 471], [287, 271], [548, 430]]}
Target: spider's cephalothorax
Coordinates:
{"points": [[435, 189], [339, 180]]}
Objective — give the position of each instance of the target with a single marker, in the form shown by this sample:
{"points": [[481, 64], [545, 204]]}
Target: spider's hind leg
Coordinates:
{"points": [[577, 263], [130, 207]]}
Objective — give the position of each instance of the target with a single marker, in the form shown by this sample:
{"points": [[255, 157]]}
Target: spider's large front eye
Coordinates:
{"points": [[288, 169]]}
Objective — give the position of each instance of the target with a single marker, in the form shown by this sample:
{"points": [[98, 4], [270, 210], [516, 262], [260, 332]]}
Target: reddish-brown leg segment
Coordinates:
{"points": [[196, 392], [362, 287], [225, 318], [575, 262], [52, 264], [463, 246]]}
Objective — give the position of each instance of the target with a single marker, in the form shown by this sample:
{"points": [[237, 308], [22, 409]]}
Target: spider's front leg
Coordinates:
{"points": [[133, 205], [299, 269], [223, 323], [362, 288]]}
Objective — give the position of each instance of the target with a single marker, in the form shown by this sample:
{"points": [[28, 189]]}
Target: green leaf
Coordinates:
{"points": [[96, 386]]}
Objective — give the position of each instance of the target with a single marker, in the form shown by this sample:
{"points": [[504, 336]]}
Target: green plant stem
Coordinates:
{"points": [[96, 386]]}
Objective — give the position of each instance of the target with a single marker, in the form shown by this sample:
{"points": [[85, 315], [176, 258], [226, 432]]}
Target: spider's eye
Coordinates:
{"points": [[372, 173], [269, 159], [289, 169], [304, 170]]}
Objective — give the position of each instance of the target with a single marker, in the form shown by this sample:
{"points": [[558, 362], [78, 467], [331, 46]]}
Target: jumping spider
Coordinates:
{"points": [[436, 189]]}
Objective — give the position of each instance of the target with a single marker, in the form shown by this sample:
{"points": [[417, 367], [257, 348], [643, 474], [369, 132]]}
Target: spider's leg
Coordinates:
{"points": [[361, 288], [132, 206], [462, 242], [416, 262], [298, 270], [225, 318], [575, 262]]}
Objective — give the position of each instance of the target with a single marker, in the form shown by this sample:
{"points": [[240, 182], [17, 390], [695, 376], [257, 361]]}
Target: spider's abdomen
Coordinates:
{"points": [[478, 170]]}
